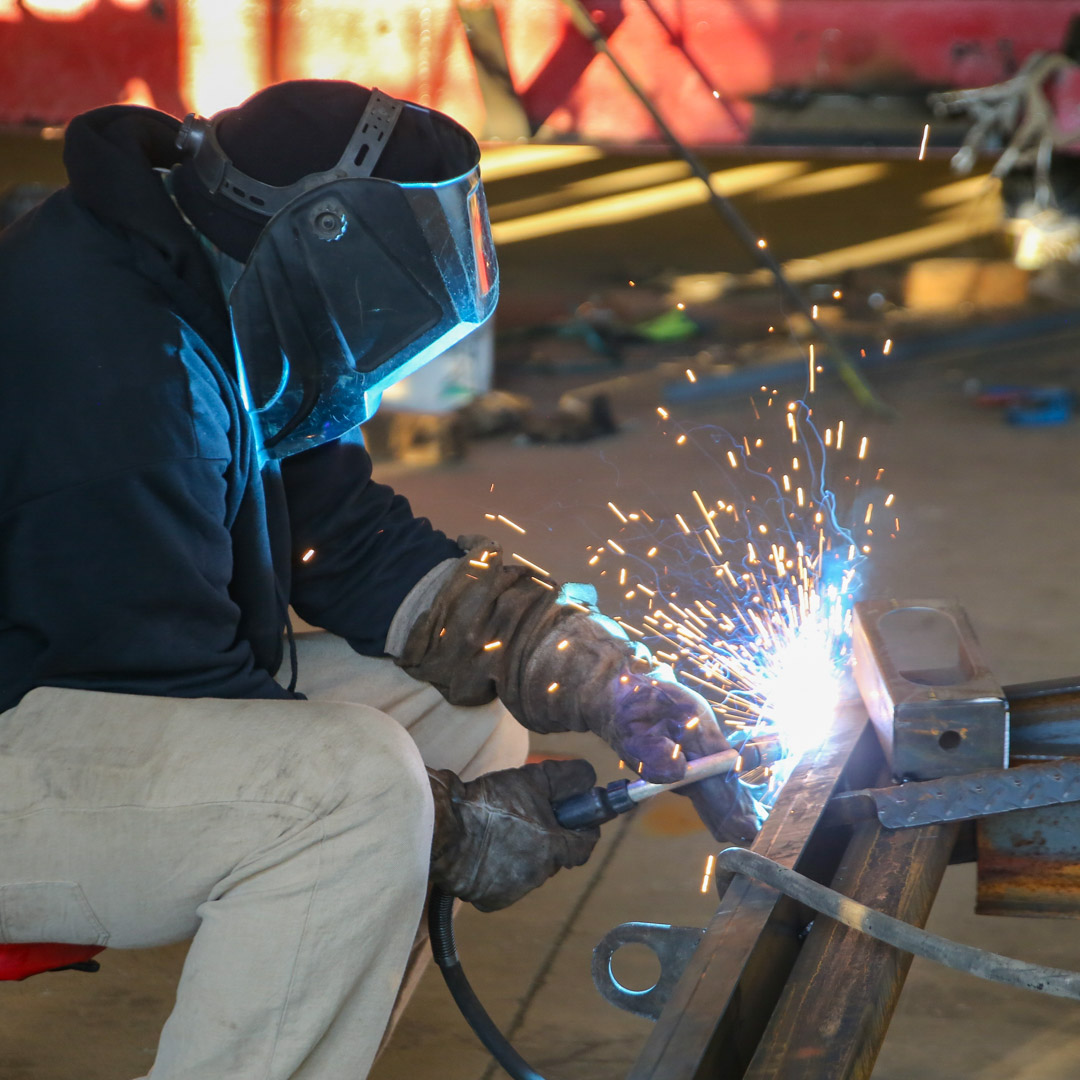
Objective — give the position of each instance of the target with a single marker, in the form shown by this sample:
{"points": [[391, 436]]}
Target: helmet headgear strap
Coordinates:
{"points": [[198, 140]]}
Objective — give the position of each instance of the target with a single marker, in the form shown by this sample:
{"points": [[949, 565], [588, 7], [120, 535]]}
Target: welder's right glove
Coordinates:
{"points": [[496, 837]]}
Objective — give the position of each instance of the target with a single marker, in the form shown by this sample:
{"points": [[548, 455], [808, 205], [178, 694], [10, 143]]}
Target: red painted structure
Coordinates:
{"points": [[59, 57]]}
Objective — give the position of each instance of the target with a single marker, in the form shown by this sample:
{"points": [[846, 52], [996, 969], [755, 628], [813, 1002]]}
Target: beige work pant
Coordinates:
{"points": [[290, 839]]}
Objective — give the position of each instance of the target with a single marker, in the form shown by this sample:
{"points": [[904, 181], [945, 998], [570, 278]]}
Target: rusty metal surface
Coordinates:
{"points": [[756, 1002], [1044, 719], [832, 1017], [1029, 861], [716, 1014], [937, 708]]}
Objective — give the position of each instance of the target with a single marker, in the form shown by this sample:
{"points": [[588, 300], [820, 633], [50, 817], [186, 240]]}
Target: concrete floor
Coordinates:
{"points": [[989, 514]]}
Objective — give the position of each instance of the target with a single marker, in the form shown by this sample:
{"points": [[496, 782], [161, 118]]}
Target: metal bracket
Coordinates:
{"points": [[937, 708], [673, 946], [963, 798]]}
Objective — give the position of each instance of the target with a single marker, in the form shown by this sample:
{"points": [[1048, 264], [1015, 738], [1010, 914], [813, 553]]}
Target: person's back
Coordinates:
{"points": [[123, 448]]}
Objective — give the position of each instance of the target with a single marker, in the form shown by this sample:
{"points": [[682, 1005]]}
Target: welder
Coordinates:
{"points": [[193, 329]]}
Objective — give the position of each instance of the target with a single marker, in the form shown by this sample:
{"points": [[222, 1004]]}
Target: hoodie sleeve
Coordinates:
{"points": [[367, 548]]}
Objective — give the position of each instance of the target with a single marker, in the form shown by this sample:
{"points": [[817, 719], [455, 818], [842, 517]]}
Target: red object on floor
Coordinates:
{"points": [[18, 962]]}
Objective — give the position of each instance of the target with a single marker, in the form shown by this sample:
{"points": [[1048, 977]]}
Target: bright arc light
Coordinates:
{"points": [[802, 694]]}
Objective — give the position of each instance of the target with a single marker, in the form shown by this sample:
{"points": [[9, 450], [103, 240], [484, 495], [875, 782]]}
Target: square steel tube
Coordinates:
{"points": [[935, 705]]}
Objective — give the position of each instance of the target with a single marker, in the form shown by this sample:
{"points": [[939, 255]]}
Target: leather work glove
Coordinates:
{"points": [[496, 837], [558, 665]]}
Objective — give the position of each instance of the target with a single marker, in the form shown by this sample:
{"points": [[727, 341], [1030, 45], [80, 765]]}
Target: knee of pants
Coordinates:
{"points": [[506, 747], [373, 768]]}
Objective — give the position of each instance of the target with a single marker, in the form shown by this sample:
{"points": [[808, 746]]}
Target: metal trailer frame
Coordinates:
{"points": [[772, 993]]}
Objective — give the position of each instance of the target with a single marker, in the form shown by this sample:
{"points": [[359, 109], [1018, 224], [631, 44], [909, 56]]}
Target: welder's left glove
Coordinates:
{"points": [[558, 665], [496, 837]]}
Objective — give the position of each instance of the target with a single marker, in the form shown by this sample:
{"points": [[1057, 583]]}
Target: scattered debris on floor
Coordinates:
{"points": [[438, 438]]}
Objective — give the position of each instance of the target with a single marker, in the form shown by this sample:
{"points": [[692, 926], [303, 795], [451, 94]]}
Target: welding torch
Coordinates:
{"points": [[587, 810], [600, 804]]}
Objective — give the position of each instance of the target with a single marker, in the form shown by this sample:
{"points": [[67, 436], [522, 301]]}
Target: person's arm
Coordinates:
{"points": [[367, 548], [557, 664]]}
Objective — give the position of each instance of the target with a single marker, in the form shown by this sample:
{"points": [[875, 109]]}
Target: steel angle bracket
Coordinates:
{"points": [[962, 798], [673, 947]]}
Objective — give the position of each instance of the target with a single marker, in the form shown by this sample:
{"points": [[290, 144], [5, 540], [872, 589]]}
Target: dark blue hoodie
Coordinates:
{"points": [[141, 549]]}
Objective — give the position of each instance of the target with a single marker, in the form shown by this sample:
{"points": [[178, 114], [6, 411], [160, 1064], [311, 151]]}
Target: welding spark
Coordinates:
{"points": [[764, 637], [530, 565], [709, 864], [513, 525], [748, 597]]}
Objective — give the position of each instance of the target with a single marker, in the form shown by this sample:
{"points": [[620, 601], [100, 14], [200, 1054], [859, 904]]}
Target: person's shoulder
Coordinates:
{"points": [[64, 272], [100, 373]]}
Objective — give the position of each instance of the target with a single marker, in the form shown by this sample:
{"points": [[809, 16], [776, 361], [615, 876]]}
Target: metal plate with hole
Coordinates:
{"points": [[937, 709], [673, 946]]}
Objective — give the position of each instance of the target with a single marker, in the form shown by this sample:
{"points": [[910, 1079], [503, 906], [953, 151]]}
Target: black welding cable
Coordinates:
{"points": [[444, 949], [896, 932]]}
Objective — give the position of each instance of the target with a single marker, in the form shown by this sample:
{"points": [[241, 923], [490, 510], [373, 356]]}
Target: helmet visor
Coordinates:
{"points": [[352, 286]]}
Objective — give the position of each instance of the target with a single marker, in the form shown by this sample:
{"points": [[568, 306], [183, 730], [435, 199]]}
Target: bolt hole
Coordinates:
{"points": [[635, 967], [950, 740]]}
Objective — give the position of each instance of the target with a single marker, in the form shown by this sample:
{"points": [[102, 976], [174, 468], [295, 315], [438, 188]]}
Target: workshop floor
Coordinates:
{"points": [[989, 515]]}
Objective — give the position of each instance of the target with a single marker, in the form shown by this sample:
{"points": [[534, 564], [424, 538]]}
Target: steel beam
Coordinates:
{"points": [[831, 1019], [1027, 859], [715, 1017]]}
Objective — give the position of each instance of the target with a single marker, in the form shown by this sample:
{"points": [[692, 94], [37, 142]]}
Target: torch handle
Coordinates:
{"points": [[593, 807], [599, 804]]}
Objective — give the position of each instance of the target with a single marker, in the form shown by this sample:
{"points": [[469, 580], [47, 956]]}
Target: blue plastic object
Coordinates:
{"points": [[1042, 407]]}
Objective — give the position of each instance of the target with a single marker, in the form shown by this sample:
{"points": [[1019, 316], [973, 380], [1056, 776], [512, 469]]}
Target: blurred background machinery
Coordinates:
{"points": [[792, 73], [797, 109]]}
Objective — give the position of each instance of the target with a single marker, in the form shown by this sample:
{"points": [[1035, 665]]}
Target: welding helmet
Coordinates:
{"points": [[354, 280]]}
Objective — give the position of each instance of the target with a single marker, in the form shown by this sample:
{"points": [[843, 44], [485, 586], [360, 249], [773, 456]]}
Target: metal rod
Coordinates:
{"points": [[901, 935], [753, 754], [846, 367]]}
